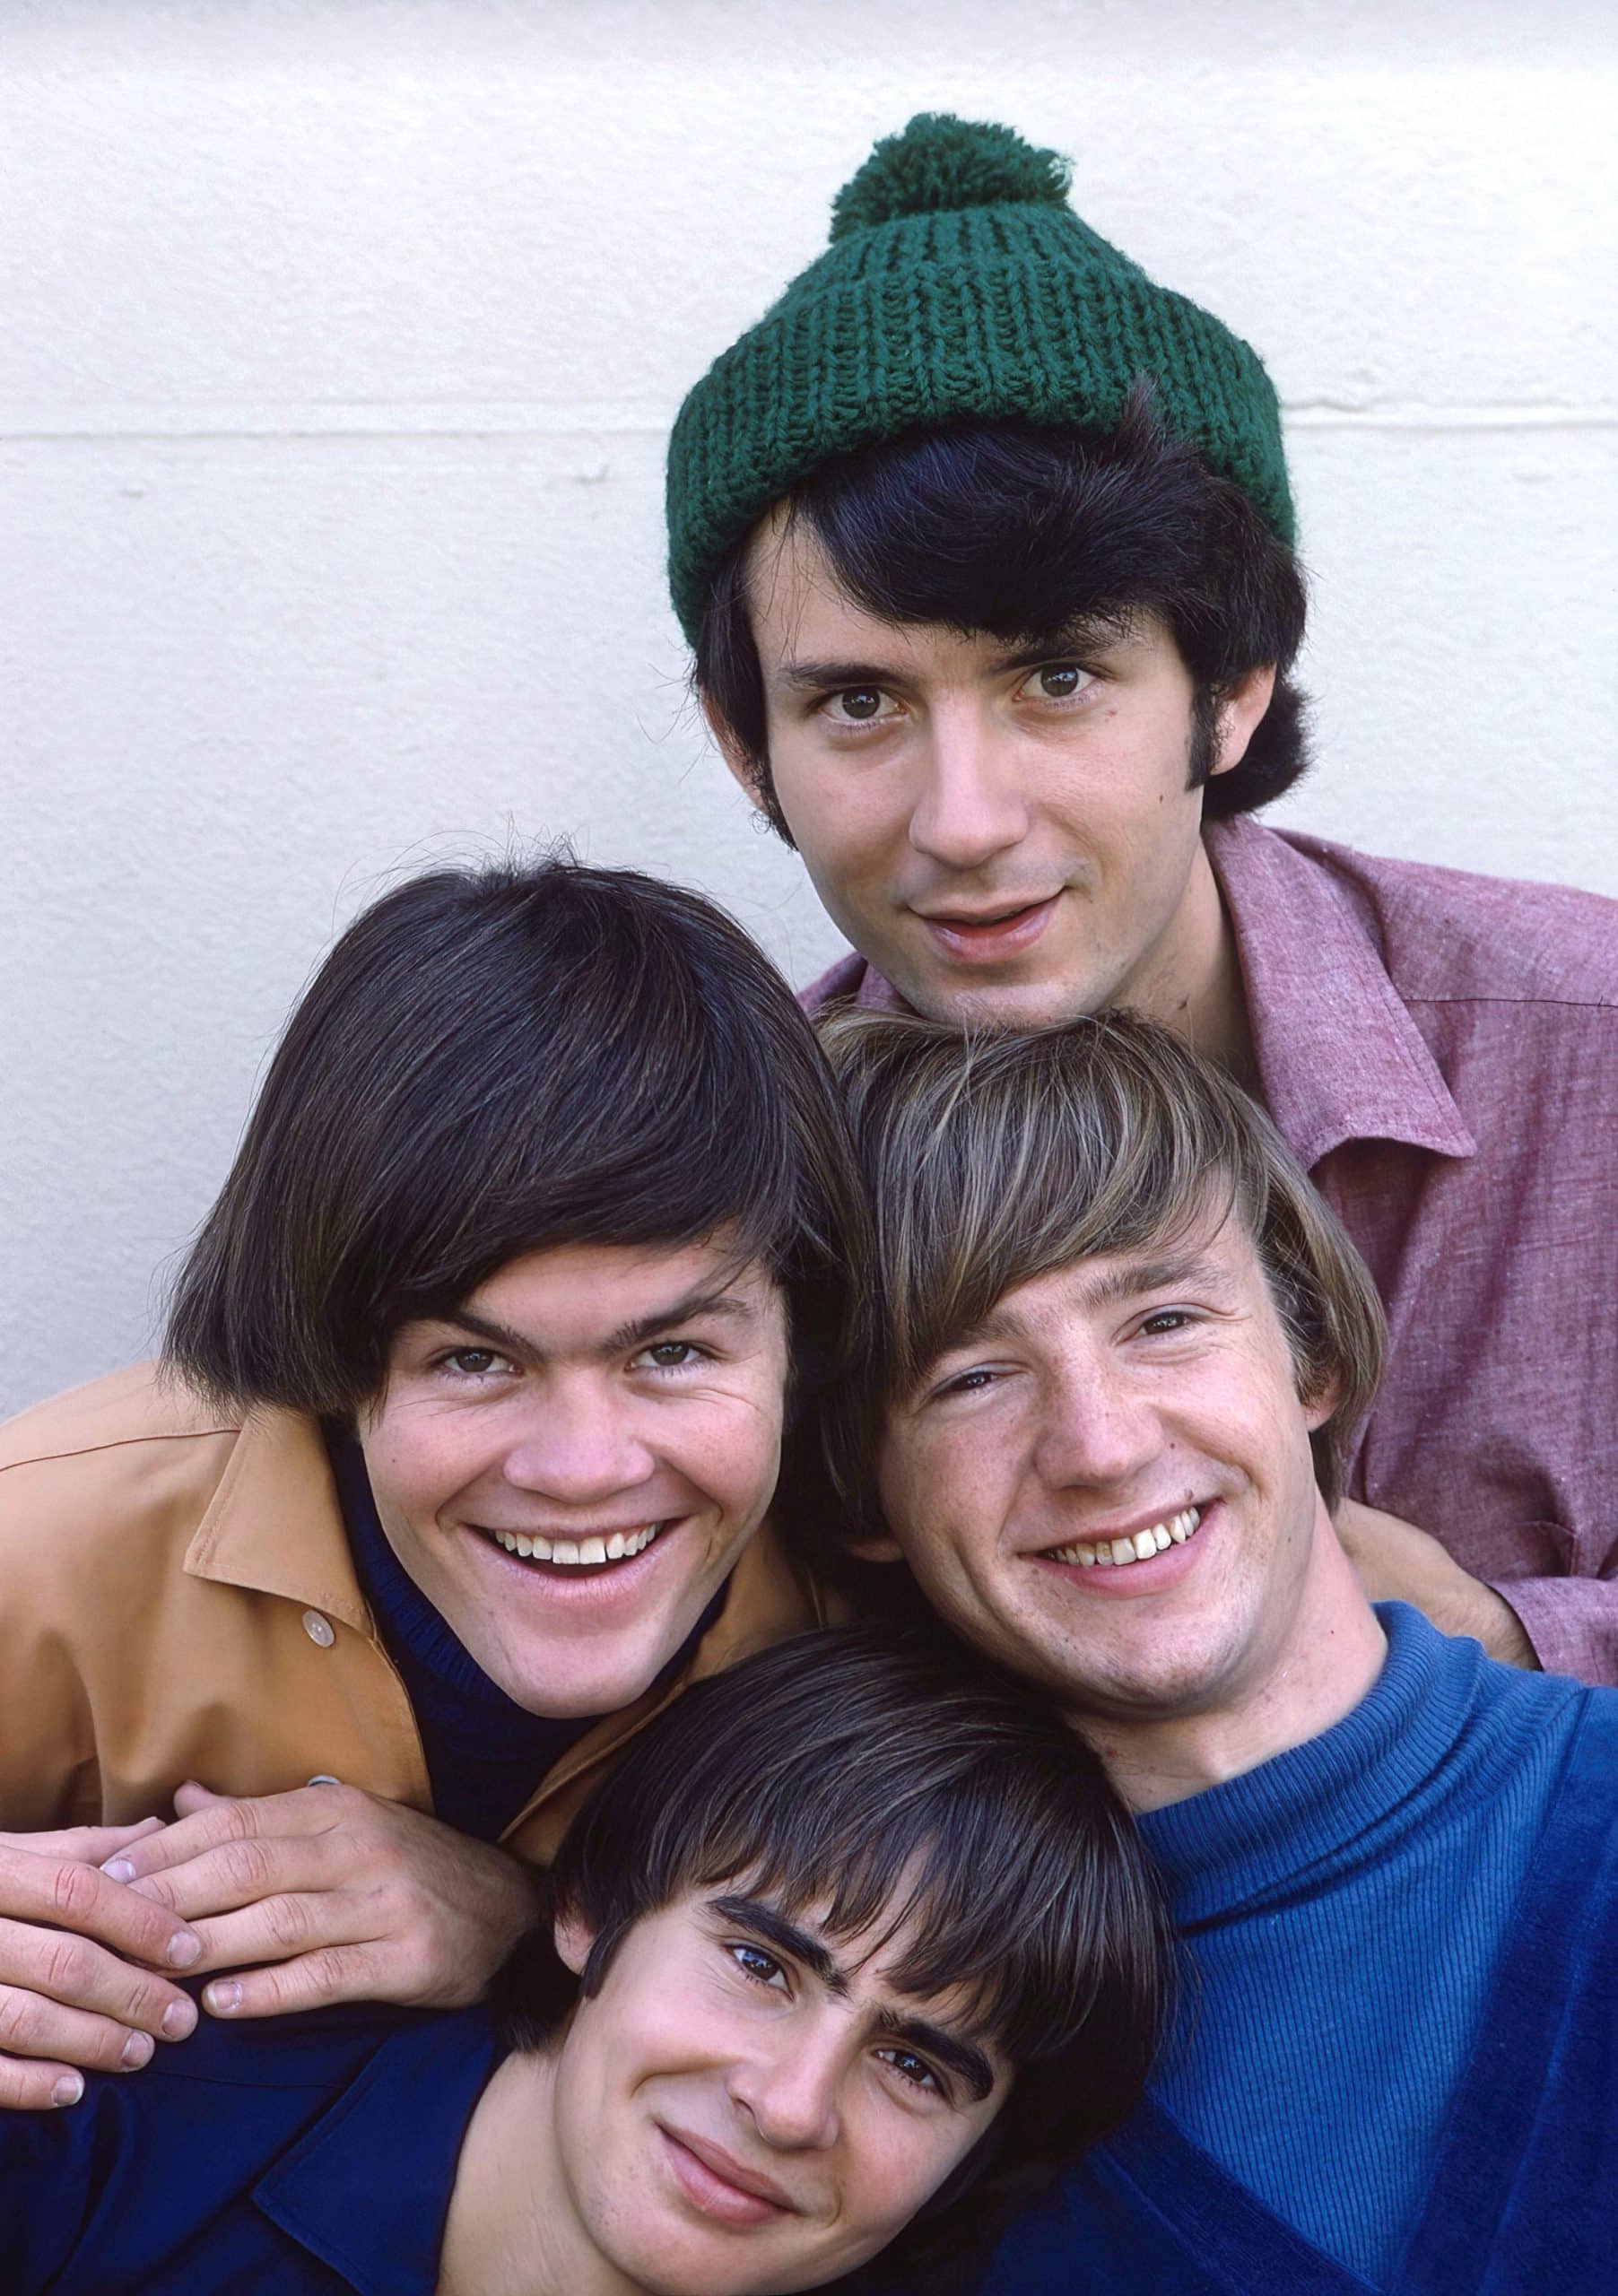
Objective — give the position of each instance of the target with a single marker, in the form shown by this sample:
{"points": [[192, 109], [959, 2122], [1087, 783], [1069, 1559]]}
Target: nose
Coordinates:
{"points": [[1098, 1429], [791, 2088], [579, 1445], [970, 808]]}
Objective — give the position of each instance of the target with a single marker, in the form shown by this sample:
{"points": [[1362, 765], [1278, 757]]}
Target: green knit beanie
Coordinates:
{"points": [[958, 282]]}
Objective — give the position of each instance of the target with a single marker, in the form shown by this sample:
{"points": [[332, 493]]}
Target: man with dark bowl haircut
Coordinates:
{"points": [[984, 544], [1124, 1348], [475, 1397], [853, 1948]]}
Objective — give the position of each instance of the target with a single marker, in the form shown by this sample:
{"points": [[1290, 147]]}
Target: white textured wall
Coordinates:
{"points": [[339, 341]]}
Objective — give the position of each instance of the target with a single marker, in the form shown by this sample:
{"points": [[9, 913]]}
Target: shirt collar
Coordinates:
{"points": [[1339, 1057], [367, 2189]]}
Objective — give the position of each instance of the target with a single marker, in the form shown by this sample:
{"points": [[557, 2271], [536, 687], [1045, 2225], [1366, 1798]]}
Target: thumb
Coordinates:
{"points": [[191, 1797]]}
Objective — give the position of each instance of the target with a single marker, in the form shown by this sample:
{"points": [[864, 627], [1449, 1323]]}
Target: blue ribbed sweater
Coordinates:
{"points": [[1344, 1907]]}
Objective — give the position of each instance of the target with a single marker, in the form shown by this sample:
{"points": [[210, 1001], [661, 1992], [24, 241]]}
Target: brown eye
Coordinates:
{"points": [[1060, 681], [860, 702]]}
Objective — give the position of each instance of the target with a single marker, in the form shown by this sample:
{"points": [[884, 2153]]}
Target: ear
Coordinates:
{"points": [[574, 1938], [1318, 1409], [880, 1548], [741, 765], [1240, 712]]}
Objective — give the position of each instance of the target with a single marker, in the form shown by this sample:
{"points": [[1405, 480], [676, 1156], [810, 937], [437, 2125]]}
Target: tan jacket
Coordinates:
{"points": [[177, 1600]]}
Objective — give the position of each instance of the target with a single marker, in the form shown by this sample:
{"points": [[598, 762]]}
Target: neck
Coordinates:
{"points": [[1191, 980], [1305, 1681], [512, 2228]]}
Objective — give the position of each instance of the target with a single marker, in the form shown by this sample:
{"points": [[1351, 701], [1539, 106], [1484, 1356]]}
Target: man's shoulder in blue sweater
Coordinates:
{"points": [[1364, 1921]]}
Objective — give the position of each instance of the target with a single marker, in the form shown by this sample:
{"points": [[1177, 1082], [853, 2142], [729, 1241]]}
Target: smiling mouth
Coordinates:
{"points": [[594, 1553], [1139, 1546], [720, 2185]]}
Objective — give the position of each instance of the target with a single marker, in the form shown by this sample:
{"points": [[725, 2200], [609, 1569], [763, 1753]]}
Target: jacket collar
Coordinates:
{"points": [[1339, 1057], [274, 1523], [367, 2189]]}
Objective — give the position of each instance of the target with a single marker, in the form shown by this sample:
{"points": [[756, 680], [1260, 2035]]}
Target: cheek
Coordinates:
{"points": [[730, 1450], [943, 1495], [895, 2166], [416, 1461], [842, 823]]}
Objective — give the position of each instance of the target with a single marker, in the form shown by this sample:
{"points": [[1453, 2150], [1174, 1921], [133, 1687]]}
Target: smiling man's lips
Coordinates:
{"points": [[720, 2185], [1120, 1549], [598, 1554]]}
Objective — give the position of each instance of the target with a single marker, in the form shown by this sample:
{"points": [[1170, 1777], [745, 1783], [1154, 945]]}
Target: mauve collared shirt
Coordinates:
{"points": [[1442, 1052]]}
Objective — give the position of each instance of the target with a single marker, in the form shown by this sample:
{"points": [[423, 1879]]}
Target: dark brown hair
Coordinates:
{"points": [[993, 1160], [495, 1060], [1020, 532], [881, 1781]]}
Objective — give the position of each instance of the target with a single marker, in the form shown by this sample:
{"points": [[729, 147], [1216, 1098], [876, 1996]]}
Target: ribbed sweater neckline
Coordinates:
{"points": [[1318, 1806]]}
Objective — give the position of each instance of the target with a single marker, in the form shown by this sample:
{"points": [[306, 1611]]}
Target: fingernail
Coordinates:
{"points": [[224, 1997], [184, 1948], [119, 1869], [179, 2018], [68, 2090], [137, 2051]]}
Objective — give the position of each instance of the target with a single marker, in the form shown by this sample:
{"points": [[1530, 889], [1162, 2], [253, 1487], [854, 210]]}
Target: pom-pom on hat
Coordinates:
{"points": [[958, 283]]}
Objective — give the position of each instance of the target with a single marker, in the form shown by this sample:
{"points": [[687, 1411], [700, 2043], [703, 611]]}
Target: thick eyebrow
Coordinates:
{"points": [[786, 1937], [956, 2055], [959, 2056], [695, 1306], [1085, 634]]}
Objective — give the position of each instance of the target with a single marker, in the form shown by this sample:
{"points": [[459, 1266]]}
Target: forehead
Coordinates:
{"points": [[803, 620], [572, 1293], [1213, 1257]]}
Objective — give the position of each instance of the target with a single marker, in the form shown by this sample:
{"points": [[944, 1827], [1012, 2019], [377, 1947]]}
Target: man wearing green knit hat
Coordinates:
{"points": [[984, 544]]}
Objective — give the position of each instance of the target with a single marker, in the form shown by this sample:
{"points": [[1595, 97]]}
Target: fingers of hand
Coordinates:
{"points": [[243, 1872], [310, 1810], [70, 1896], [34, 2028], [34, 2084], [300, 1924], [54, 1966], [83, 1845], [314, 1980]]}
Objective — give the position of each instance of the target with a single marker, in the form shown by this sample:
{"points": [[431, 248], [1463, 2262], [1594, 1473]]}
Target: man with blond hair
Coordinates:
{"points": [[984, 544], [1124, 1349]]}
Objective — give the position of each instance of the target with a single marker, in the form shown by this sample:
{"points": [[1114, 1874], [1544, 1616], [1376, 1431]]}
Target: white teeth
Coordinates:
{"points": [[618, 1548], [1172, 1532]]}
